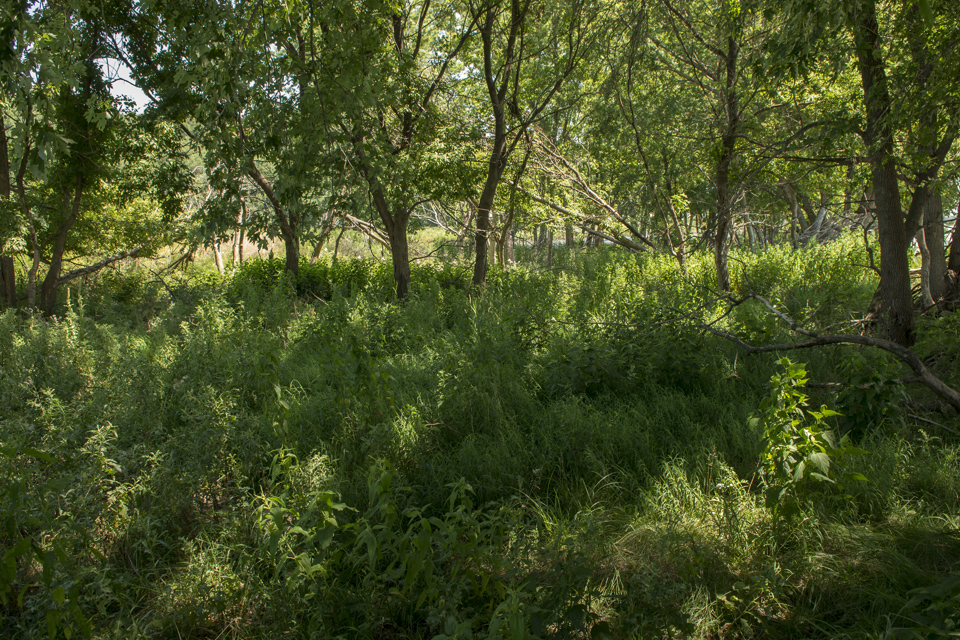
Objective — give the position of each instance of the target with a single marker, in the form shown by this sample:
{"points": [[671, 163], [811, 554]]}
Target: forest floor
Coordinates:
{"points": [[564, 453]]}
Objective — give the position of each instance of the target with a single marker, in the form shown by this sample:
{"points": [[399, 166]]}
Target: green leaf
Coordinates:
{"points": [[926, 11], [39, 455], [821, 461]]}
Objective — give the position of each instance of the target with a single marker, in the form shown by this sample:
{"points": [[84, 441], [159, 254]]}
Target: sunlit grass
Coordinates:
{"points": [[610, 461]]}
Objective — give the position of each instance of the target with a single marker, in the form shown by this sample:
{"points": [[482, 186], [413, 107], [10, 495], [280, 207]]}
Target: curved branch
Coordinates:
{"points": [[906, 356]]}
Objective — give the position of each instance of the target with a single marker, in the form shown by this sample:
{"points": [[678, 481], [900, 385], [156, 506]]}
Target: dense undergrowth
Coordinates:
{"points": [[563, 453]]}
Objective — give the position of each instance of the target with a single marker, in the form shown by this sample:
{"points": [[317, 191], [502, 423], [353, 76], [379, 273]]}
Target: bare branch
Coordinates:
{"points": [[903, 354], [77, 273]]}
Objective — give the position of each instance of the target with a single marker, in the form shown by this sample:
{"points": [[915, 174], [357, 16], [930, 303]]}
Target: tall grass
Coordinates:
{"points": [[560, 453]]}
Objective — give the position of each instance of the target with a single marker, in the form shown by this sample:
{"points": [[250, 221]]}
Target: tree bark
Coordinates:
{"points": [[896, 300], [8, 274], [238, 237], [930, 238], [48, 291], [400, 253], [728, 143], [952, 276], [484, 205], [218, 257], [31, 225], [288, 221], [549, 248], [396, 225]]}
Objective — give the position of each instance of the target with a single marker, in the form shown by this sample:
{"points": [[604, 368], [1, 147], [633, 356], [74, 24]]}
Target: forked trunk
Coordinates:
{"points": [[288, 221]]}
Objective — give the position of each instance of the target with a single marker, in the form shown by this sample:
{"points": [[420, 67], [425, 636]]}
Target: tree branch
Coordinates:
{"points": [[77, 273], [903, 354]]}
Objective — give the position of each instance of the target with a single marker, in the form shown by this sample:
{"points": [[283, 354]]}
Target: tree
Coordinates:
{"points": [[214, 67], [526, 58], [61, 111], [908, 119], [8, 274], [80, 164]]}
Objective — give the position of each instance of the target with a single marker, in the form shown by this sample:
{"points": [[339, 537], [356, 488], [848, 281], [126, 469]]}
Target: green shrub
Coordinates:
{"points": [[802, 454]]}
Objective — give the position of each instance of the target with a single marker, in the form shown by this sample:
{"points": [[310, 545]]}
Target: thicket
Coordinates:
{"points": [[564, 452]]}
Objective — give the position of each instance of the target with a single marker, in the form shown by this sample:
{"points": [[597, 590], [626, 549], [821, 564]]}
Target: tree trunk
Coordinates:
{"points": [[8, 280], [48, 291], [243, 230], [238, 236], [896, 299], [496, 255], [31, 225], [288, 221], [317, 248], [291, 245], [721, 246], [325, 229], [400, 253], [725, 199], [568, 235], [483, 219], [218, 257], [549, 248], [952, 277], [848, 195], [8, 274], [396, 225], [930, 239], [807, 206]]}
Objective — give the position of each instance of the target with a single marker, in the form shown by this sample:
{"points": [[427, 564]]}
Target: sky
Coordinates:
{"points": [[118, 74]]}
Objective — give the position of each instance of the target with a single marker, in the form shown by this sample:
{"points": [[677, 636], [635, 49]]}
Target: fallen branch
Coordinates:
{"points": [[78, 273], [935, 424], [903, 354], [368, 230], [613, 237], [839, 385], [186, 257]]}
